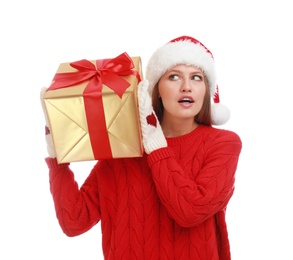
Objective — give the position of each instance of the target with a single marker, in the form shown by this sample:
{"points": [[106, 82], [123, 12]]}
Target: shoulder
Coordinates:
{"points": [[227, 134], [214, 133], [223, 139]]}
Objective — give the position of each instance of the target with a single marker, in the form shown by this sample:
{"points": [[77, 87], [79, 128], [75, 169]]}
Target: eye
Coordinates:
{"points": [[173, 77], [197, 77]]}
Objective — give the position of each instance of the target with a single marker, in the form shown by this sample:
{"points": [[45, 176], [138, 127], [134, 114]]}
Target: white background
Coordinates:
{"points": [[252, 46]]}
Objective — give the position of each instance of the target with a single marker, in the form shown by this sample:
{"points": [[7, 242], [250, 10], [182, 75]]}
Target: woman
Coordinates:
{"points": [[169, 204]]}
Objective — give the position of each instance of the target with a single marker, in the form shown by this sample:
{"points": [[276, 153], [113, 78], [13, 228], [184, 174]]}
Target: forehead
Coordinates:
{"points": [[183, 67]]}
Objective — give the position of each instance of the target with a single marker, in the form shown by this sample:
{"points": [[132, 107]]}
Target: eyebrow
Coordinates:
{"points": [[180, 71]]}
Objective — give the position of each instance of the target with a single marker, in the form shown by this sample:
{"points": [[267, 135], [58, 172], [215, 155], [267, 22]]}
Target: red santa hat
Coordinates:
{"points": [[189, 51]]}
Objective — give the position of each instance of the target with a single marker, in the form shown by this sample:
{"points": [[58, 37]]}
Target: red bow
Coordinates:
{"points": [[106, 72]]}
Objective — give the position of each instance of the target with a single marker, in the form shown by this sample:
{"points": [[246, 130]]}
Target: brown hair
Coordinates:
{"points": [[204, 115]]}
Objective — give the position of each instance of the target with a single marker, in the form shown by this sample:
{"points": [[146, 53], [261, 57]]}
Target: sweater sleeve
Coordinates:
{"points": [[77, 210], [191, 201]]}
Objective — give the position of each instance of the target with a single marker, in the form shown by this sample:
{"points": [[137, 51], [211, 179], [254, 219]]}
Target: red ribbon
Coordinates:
{"points": [[107, 72]]}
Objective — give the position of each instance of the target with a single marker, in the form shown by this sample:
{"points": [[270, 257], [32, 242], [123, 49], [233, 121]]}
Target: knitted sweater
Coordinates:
{"points": [[166, 205]]}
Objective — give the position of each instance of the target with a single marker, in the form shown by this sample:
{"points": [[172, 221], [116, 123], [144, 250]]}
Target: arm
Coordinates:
{"points": [[190, 202], [77, 210]]}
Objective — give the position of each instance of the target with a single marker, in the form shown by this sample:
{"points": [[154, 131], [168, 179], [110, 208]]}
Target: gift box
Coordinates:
{"points": [[92, 109]]}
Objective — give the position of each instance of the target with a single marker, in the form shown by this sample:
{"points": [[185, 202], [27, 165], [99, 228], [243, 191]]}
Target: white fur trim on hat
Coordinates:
{"points": [[189, 51]]}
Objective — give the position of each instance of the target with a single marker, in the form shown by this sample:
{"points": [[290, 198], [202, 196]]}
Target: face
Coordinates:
{"points": [[182, 90]]}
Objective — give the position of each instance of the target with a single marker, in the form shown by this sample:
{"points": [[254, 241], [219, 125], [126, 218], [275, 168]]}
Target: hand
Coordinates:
{"points": [[49, 140], [152, 134]]}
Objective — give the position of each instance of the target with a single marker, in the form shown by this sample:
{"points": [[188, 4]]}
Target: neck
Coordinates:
{"points": [[182, 127]]}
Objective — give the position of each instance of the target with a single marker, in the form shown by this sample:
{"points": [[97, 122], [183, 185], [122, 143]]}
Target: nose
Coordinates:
{"points": [[185, 86]]}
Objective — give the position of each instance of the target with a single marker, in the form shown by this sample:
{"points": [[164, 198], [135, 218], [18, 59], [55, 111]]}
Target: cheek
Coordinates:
{"points": [[167, 97], [201, 93], [164, 95], [164, 92]]}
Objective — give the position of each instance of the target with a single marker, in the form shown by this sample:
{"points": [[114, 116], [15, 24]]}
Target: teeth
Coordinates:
{"points": [[185, 100]]}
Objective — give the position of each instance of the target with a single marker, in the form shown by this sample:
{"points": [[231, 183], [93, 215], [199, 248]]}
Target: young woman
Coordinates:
{"points": [[170, 203]]}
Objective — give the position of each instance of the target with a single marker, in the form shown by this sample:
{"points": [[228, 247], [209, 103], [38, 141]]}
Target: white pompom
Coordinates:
{"points": [[220, 114]]}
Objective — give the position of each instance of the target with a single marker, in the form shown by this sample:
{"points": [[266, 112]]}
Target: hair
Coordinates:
{"points": [[204, 115]]}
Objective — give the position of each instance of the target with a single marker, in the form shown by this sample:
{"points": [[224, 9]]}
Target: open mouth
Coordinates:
{"points": [[186, 100]]}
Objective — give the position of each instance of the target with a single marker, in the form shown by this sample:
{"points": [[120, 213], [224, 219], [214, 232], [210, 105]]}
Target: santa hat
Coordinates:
{"points": [[189, 51]]}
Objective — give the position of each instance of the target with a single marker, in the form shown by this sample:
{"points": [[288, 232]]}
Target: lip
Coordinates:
{"points": [[189, 100]]}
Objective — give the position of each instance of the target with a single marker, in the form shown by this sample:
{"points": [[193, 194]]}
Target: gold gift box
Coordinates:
{"points": [[69, 124]]}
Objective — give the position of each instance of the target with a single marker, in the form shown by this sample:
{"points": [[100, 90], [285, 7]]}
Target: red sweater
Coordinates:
{"points": [[166, 205]]}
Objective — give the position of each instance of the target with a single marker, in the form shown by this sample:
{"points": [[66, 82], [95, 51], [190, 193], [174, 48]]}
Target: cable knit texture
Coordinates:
{"points": [[167, 205]]}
